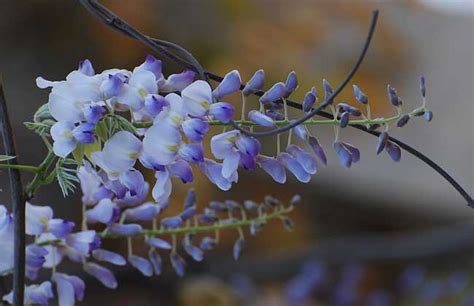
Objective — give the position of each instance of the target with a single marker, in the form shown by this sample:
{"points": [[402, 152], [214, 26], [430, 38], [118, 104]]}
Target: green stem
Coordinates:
{"points": [[40, 176], [277, 214], [147, 124], [20, 167], [206, 228]]}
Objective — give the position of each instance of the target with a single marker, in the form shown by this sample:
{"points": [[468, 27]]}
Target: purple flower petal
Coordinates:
{"points": [[208, 243], [317, 149], [104, 212], [359, 95], [181, 169], [394, 151], [306, 160], [248, 145], [273, 167], [108, 256], [276, 92], [403, 120], [69, 288], [178, 82], [355, 153], [190, 200], [247, 162], [60, 228], [392, 96], [35, 255], [196, 253], [93, 113], [125, 229], [188, 213], [195, 129], [158, 243], [83, 242], [301, 132], [112, 86], [261, 119], [327, 89], [274, 114], [255, 83], [381, 142], [213, 171], [222, 111], [230, 84], [155, 260], [85, 67], [144, 212], [344, 120], [104, 275], [191, 152], [141, 264], [294, 167], [172, 222], [291, 83], [134, 181], [230, 164], [178, 263], [343, 153], [84, 133], [154, 104], [428, 116], [237, 249], [153, 65]]}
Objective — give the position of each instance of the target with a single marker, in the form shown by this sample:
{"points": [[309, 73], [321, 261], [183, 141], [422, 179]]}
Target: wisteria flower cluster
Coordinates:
{"points": [[116, 118], [54, 239]]}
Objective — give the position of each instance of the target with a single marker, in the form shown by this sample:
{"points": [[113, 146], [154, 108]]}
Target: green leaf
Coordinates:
{"points": [[91, 148], [78, 153], [41, 128], [101, 130], [42, 113], [69, 161], [125, 125], [66, 178], [6, 157]]}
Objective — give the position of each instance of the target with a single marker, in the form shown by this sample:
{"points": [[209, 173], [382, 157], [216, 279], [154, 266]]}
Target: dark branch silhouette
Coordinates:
{"points": [[18, 199]]}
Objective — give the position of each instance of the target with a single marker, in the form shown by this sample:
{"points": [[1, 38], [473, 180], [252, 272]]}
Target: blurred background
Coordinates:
{"points": [[381, 233]]}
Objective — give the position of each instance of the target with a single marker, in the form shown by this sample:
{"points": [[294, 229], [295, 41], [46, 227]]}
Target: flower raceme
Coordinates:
{"points": [[95, 118], [55, 241]]}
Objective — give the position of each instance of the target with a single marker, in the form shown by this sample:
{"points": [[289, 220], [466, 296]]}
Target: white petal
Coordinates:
{"points": [[222, 144], [230, 164], [162, 189], [196, 98], [119, 154], [65, 291], [65, 108], [130, 96], [144, 80], [37, 218], [161, 143], [43, 83]]}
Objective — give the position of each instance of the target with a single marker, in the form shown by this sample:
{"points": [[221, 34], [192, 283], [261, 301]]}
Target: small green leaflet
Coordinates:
{"points": [[66, 178], [6, 157]]}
